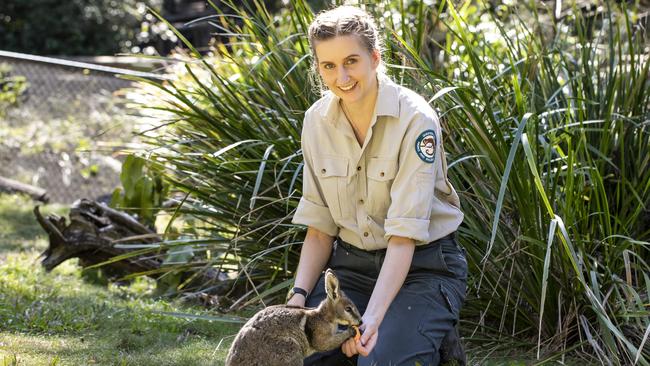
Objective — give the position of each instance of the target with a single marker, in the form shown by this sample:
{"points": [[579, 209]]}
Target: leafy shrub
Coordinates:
{"points": [[143, 190]]}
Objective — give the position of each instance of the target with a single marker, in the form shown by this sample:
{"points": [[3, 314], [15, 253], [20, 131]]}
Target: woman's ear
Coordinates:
{"points": [[376, 58]]}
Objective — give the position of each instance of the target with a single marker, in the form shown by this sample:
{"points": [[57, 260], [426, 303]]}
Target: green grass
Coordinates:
{"points": [[60, 319]]}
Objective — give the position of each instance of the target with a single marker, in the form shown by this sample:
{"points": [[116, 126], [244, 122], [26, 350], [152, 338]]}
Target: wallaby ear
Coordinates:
{"points": [[332, 285]]}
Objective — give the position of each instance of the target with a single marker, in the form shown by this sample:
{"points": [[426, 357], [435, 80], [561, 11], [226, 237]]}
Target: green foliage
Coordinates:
{"points": [[143, 190], [74, 27], [222, 114], [547, 140], [11, 88], [10, 360], [568, 251]]}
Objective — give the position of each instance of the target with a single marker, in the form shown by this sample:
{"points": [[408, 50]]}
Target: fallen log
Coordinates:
{"points": [[94, 234], [12, 186]]}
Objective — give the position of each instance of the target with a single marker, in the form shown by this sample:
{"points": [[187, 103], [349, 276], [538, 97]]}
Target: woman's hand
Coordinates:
{"points": [[349, 347], [297, 300], [369, 334]]}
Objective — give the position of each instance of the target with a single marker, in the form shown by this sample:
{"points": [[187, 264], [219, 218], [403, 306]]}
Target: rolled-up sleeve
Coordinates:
{"points": [[412, 191], [312, 210]]}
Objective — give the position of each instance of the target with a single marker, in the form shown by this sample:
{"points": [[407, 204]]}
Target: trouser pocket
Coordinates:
{"points": [[430, 259]]}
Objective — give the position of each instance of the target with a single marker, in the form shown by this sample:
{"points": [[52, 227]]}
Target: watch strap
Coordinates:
{"points": [[299, 290]]}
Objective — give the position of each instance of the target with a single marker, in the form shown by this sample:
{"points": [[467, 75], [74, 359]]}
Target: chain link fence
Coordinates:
{"points": [[66, 132]]}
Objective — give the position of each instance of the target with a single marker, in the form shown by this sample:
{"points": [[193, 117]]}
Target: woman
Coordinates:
{"points": [[377, 203]]}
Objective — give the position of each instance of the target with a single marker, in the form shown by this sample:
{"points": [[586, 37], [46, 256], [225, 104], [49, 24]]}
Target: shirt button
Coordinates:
{"points": [[358, 168], [323, 171], [381, 174], [366, 234], [361, 201]]}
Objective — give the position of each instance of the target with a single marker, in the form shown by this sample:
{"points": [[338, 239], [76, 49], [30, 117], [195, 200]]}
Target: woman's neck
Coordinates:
{"points": [[361, 112]]}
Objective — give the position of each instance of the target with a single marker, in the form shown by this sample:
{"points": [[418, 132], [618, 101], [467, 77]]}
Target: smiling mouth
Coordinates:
{"points": [[347, 88]]}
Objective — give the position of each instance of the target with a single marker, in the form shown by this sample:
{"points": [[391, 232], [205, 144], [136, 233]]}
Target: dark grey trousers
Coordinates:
{"points": [[425, 309]]}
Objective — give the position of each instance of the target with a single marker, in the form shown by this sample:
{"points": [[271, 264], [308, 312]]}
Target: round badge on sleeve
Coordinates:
{"points": [[425, 146]]}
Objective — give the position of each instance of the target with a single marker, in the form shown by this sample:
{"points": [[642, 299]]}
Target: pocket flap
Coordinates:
{"points": [[332, 166], [453, 300], [382, 168]]}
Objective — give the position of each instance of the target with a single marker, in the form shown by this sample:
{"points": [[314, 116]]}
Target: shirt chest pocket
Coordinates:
{"points": [[381, 173], [332, 173]]}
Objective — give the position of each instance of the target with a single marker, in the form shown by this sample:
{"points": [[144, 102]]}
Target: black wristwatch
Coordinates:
{"points": [[297, 290]]}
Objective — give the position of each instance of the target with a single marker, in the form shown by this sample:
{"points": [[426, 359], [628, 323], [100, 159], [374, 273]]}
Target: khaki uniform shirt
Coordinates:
{"points": [[395, 184]]}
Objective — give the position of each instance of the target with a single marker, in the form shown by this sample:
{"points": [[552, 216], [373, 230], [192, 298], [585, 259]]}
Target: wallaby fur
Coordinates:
{"points": [[452, 351], [284, 335]]}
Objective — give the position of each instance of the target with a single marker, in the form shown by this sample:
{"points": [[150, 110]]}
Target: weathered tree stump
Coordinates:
{"points": [[92, 234]]}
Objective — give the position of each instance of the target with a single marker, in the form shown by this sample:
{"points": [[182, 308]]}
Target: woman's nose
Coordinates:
{"points": [[343, 76]]}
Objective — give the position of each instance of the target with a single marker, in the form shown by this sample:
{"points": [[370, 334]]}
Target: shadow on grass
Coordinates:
{"points": [[19, 229]]}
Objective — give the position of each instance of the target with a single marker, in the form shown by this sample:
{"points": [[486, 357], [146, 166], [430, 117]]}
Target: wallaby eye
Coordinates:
{"points": [[348, 309]]}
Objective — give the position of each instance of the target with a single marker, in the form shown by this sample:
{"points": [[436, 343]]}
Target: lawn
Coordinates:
{"points": [[58, 318]]}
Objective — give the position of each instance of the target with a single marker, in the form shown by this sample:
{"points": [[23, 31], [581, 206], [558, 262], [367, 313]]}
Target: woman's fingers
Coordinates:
{"points": [[348, 347], [365, 349]]}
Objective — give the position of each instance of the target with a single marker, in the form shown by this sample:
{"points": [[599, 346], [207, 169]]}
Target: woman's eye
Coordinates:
{"points": [[351, 61], [328, 66]]}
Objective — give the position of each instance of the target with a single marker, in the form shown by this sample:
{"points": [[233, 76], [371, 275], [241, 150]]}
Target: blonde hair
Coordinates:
{"points": [[343, 21]]}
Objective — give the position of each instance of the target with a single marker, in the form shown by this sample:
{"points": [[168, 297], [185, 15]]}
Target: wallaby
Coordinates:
{"points": [[284, 335]]}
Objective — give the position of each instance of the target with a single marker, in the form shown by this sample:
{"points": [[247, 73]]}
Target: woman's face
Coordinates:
{"points": [[347, 68]]}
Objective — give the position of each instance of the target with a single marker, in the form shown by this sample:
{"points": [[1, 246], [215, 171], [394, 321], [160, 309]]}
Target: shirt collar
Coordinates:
{"points": [[387, 97], [387, 101]]}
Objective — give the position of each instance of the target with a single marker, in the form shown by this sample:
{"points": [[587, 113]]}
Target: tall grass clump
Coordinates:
{"points": [[547, 136], [547, 124]]}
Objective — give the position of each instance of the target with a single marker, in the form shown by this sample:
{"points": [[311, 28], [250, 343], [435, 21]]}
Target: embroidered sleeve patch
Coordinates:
{"points": [[425, 146]]}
